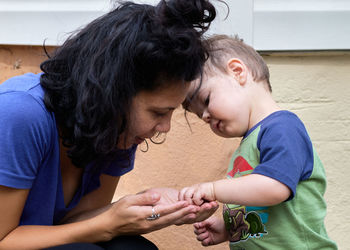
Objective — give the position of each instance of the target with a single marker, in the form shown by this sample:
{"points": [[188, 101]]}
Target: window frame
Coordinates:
{"points": [[267, 25]]}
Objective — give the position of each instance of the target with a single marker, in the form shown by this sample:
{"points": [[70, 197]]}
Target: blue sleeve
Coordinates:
{"points": [[286, 152], [24, 138], [123, 162]]}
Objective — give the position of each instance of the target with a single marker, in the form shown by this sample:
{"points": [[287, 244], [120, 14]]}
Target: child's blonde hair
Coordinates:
{"points": [[223, 47]]}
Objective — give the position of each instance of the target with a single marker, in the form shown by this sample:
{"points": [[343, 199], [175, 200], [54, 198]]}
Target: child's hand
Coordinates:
{"points": [[198, 194], [211, 231]]}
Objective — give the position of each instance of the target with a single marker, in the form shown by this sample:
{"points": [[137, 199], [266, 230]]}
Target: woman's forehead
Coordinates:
{"points": [[169, 97]]}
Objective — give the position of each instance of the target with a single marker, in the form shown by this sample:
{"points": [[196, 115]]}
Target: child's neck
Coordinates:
{"points": [[262, 104]]}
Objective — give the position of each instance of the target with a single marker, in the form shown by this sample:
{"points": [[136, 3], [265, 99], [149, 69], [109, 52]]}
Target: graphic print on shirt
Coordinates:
{"points": [[244, 222], [242, 225], [240, 165]]}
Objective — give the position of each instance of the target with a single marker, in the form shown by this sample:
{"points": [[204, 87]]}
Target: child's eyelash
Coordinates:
{"points": [[206, 101]]}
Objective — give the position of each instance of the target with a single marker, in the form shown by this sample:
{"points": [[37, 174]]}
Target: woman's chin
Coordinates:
{"points": [[138, 140], [124, 145]]}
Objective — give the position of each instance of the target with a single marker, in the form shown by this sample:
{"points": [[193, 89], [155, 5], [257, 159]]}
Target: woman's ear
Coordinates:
{"points": [[238, 69]]}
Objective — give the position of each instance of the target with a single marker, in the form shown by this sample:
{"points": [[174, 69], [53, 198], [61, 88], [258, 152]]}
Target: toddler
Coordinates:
{"points": [[273, 193]]}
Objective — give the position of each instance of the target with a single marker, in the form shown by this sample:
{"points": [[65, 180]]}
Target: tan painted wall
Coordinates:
{"points": [[316, 87]]}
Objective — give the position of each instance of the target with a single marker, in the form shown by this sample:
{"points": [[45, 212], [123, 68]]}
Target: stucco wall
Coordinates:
{"points": [[315, 86]]}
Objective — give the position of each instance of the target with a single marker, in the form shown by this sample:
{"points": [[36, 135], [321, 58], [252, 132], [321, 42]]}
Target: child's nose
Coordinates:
{"points": [[206, 116]]}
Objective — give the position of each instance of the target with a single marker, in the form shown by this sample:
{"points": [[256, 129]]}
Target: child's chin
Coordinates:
{"points": [[223, 134], [218, 133]]}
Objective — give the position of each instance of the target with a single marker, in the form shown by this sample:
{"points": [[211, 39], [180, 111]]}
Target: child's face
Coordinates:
{"points": [[223, 103]]}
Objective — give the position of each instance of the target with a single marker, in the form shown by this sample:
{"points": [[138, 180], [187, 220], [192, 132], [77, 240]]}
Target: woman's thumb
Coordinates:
{"points": [[146, 198]]}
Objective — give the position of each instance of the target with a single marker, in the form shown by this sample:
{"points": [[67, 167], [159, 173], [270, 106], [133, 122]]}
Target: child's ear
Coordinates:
{"points": [[238, 69]]}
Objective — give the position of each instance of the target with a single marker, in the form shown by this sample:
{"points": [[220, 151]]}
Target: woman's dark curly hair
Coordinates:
{"points": [[89, 81]]}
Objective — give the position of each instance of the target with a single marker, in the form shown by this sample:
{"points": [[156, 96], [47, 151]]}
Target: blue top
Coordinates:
{"points": [[30, 153]]}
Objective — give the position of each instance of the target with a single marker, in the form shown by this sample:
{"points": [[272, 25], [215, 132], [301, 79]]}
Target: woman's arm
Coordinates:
{"points": [[12, 203], [13, 236], [38, 237], [94, 202], [93, 223]]}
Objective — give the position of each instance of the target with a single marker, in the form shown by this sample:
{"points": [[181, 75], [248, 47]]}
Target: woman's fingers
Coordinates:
{"points": [[179, 211], [207, 206], [176, 208], [170, 217], [168, 213], [145, 201], [187, 219]]}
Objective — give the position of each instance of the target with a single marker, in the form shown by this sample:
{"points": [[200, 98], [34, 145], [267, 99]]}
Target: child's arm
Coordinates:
{"points": [[249, 190]]}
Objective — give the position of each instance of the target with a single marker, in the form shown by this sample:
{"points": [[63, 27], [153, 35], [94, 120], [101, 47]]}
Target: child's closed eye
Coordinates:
{"points": [[206, 101]]}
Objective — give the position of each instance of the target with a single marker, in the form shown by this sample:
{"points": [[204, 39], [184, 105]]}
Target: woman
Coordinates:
{"points": [[68, 134]]}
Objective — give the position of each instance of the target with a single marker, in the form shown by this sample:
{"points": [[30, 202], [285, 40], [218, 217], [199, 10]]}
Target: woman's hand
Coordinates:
{"points": [[170, 196], [206, 210], [129, 214]]}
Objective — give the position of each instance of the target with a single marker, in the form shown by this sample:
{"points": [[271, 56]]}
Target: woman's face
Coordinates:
{"points": [[151, 113]]}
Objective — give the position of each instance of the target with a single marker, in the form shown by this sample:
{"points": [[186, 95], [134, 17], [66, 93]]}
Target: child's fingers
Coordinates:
{"points": [[197, 225], [197, 198], [207, 242], [199, 231], [182, 193], [201, 224], [187, 194], [203, 236]]}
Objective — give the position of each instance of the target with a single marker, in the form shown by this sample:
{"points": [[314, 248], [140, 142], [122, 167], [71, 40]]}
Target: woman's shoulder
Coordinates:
{"points": [[23, 93], [20, 83], [22, 106]]}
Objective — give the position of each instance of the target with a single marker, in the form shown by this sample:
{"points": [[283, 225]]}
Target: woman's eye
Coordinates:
{"points": [[160, 114]]}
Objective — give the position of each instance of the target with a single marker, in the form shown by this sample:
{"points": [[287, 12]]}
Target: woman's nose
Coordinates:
{"points": [[164, 126], [206, 116]]}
